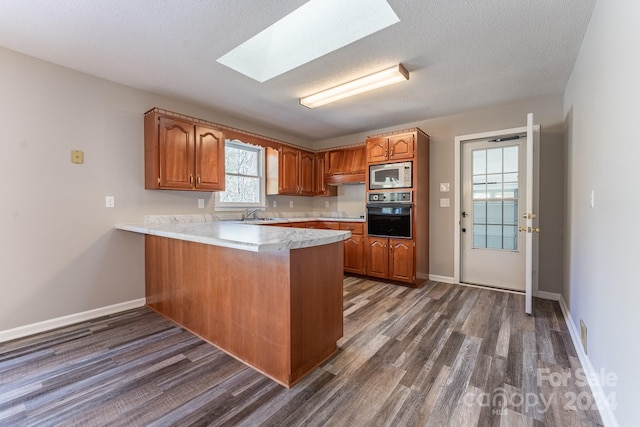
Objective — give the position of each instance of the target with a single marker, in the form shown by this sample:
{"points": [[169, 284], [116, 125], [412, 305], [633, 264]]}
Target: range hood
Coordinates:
{"points": [[346, 166]]}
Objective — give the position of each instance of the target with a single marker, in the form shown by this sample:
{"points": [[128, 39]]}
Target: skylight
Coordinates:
{"points": [[314, 29]]}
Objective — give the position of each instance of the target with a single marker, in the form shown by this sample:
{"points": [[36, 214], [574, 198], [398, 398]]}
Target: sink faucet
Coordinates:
{"points": [[248, 212]]}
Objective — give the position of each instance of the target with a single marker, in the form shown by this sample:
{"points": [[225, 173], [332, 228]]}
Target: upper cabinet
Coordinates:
{"points": [[320, 183], [182, 155], [390, 149], [295, 171]]}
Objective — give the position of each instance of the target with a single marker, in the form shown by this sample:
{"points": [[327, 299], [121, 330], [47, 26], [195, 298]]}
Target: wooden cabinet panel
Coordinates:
{"points": [[354, 254], [401, 147], [401, 260], [320, 183], [377, 149], [209, 159], [326, 225], [288, 173], [175, 153], [307, 161], [377, 256]]}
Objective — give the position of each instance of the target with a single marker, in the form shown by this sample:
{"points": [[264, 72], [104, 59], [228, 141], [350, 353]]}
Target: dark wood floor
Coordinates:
{"points": [[437, 356]]}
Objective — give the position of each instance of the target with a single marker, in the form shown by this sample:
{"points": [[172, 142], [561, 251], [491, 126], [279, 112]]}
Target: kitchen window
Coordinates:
{"points": [[244, 176]]}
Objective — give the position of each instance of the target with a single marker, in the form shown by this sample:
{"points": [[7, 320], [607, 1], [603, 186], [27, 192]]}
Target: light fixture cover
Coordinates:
{"points": [[382, 78]]}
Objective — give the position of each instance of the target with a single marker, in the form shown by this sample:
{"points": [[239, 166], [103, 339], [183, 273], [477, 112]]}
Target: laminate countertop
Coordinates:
{"points": [[248, 236]]}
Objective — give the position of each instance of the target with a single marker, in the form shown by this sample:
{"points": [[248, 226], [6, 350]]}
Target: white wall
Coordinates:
{"points": [[601, 281], [59, 253]]}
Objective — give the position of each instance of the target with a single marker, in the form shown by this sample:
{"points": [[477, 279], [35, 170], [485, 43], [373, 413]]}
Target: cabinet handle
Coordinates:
{"points": [[198, 179], [190, 178]]}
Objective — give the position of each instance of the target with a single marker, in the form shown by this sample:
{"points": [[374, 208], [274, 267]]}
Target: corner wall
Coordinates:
{"points": [[601, 280]]}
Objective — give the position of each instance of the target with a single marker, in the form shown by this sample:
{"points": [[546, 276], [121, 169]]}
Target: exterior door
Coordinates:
{"points": [[493, 251]]}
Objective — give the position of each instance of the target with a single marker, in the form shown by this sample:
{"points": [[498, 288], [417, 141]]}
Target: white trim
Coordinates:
{"points": [[47, 325], [490, 288], [547, 295], [443, 279], [593, 377]]}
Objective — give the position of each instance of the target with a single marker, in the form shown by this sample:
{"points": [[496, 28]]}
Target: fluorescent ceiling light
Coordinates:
{"points": [[314, 29], [373, 81]]}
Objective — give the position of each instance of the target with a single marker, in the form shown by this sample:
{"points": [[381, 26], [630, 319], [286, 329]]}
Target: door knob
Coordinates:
{"points": [[464, 214]]}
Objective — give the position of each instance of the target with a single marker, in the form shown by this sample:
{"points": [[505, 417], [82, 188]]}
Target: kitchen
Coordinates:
{"points": [[100, 267]]}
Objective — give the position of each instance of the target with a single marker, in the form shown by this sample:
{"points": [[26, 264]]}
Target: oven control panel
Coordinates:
{"points": [[390, 197]]}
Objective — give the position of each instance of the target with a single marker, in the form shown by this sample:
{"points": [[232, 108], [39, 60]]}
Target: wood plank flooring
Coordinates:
{"points": [[442, 355]]}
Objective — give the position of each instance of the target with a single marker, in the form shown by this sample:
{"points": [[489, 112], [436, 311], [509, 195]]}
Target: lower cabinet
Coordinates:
{"points": [[390, 258]]}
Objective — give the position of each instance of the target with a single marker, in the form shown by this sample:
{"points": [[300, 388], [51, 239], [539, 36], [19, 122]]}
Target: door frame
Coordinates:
{"points": [[459, 140]]}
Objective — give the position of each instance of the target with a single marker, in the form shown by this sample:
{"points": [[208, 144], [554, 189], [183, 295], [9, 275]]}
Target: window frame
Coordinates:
{"points": [[235, 143]]}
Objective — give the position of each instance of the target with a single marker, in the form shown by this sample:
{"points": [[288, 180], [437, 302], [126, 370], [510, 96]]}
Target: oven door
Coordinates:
{"points": [[389, 220]]}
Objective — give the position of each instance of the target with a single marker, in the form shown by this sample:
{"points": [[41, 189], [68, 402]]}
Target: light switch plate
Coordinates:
{"points": [[109, 201], [290, 203], [444, 187], [200, 203]]}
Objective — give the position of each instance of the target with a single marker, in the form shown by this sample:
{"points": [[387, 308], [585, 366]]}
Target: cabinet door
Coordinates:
{"points": [[175, 154], [401, 260], [377, 150], [319, 185], [401, 147], [289, 168], [209, 159], [354, 255], [377, 257], [305, 183], [359, 162]]}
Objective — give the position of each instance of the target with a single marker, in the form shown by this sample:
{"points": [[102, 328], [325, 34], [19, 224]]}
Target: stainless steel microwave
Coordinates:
{"points": [[391, 175]]}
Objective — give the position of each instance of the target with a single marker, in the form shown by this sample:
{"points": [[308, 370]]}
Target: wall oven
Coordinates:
{"points": [[389, 214], [391, 175]]}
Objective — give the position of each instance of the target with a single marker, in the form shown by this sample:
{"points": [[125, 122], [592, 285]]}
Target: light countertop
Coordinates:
{"points": [[248, 236]]}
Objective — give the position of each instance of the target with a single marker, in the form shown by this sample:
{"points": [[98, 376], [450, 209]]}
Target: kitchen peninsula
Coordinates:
{"points": [[269, 296]]}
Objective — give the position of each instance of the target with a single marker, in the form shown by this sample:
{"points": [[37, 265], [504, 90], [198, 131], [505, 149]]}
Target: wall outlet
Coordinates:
{"points": [[583, 335], [274, 204], [109, 202], [290, 203], [444, 203], [200, 203], [326, 203], [592, 198]]}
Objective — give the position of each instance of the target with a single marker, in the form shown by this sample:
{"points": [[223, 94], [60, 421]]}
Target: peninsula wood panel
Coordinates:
{"points": [[279, 311]]}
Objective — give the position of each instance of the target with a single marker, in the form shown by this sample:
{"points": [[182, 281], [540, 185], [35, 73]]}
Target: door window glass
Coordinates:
{"points": [[495, 198]]}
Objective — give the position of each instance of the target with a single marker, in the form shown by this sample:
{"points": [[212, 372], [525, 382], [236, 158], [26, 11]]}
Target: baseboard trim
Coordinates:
{"points": [[593, 377], [443, 279], [548, 295], [47, 325]]}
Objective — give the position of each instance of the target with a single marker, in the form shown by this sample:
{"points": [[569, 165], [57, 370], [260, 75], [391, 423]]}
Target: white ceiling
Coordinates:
{"points": [[461, 55]]}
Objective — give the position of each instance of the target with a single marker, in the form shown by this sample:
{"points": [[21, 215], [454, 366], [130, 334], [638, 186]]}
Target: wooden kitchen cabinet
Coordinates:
{"points": [[354, 248], [295, 171], [392, 259], [377, 257], [401, 256], [320, 187], [182, 155], [390, 149]]}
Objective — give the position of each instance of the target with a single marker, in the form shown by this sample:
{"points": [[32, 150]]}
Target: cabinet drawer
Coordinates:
{"points": [[354, 227], [327, 225]]}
